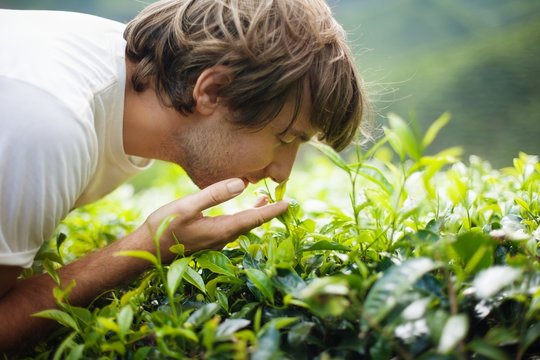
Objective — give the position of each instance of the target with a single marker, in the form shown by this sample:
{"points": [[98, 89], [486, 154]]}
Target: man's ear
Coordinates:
{"points": [[205, 91]]}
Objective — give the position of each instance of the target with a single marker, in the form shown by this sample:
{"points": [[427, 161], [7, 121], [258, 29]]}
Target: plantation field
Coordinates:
{"points": [[386, 252]]}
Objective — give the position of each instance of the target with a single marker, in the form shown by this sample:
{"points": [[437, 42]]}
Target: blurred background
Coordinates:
{"points": [[478, 59]]}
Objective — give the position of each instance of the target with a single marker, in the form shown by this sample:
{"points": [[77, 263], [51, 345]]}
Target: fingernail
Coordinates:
{"points": [[235, 186]]}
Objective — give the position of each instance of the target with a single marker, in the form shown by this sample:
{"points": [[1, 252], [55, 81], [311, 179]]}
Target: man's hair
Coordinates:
{"points": [[271, 48]]}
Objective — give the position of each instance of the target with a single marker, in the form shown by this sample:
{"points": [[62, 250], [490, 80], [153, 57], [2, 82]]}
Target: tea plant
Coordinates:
{"points": [[428, 258]]}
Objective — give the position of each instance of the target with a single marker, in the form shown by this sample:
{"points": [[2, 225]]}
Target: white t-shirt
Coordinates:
{"points": [[62, 82]]}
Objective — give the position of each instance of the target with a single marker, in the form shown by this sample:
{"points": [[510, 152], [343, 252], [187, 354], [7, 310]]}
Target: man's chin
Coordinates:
{"points": [[204, 183]]}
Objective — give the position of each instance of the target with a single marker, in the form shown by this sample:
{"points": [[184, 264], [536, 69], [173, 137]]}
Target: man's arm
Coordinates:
{"points": [[102, 270]]}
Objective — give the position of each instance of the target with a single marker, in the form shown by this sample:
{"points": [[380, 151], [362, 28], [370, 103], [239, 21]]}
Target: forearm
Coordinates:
{"points": [[93, 274], [102, 270]]}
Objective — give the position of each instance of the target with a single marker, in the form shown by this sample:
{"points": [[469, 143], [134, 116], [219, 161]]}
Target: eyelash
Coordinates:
{"points": [[282, 142]]}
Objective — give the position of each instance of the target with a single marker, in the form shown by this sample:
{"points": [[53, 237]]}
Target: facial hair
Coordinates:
{"points": [[204, 153]]}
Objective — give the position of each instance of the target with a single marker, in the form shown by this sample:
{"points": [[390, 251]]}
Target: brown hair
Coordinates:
{"points": [[272, 48]]}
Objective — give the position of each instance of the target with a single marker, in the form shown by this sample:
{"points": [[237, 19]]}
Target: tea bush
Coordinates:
{"points": [[424, 257]]}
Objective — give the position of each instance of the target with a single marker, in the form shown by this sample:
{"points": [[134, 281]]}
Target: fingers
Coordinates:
{"points": [[261, 201], [213, 195], [246, 220]]}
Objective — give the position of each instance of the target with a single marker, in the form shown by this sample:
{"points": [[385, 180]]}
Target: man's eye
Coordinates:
{"points": [[286, 140]]}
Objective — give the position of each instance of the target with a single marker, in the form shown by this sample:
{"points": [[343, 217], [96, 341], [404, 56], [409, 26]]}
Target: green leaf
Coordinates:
{"points": [[229, 327], [212, 284], [279, 191], [533, 333], [193, 277], [434, 129], [332, 155], [168, 330], [285, 251], [59, 241], [61, 317], [406, 136], [262, 282], [387, 291], [491, 280], [176, 273], [299, 333], [203, 314], [280, 323], [216, 262], [125, 319], [454, 331], [115, 346], [475, 251], [222, 300], [326, 245], [139, 254], [142, 353], [81, 314], [76, 353], [108, 324], [51, 270], [381, 350], [268, 345], [163, 225], [487, 350], [177, 249], [394, 142], [375, 175]]}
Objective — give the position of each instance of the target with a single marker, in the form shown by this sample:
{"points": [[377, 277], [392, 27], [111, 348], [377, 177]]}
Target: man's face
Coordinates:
{"points": [[213, 149]]}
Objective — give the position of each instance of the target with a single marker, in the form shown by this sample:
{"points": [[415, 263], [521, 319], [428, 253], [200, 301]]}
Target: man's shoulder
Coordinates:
{"points": [[70, 55]]}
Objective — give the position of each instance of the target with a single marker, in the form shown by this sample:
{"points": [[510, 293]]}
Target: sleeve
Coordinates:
{"points": [[45, 162]]}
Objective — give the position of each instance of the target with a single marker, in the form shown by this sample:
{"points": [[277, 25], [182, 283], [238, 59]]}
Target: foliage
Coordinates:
{"points": [[426, 258]]}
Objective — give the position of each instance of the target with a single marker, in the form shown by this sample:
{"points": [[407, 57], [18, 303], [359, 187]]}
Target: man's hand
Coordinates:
{"points": [[102, 270], [196, 231]]}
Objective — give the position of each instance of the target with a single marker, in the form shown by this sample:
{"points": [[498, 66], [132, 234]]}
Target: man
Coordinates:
{"points": [[226, 89]]}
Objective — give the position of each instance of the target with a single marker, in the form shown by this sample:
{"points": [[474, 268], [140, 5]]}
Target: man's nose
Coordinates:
{"points": [[280, 169]]}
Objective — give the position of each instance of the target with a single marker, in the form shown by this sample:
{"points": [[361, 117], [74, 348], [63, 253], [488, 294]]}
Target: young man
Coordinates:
{"points": [[226, 89]]}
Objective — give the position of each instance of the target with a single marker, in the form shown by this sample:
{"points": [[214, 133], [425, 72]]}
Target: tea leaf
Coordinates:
{"points": [[490, 281], [533, 333], [59, 316], [229, 327], [261, 282], [434, 129], [475, 251], [285, 252], [332, 155], [454, 331], [203, 314], [489, 351], [163, 225], [215, 262], [139, 254], [325, 245], [299, 333], [176, 273], [268, 345], [279, 191], [375, 175], [125, 318], [386, 292], [222, 300], [193, 277]]}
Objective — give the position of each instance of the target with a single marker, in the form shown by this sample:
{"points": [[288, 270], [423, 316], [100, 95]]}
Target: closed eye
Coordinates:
{"points": [[286, 140]]}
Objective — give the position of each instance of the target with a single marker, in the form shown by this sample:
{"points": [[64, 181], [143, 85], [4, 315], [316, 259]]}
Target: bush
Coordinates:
{"points": [[422, 258]]}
